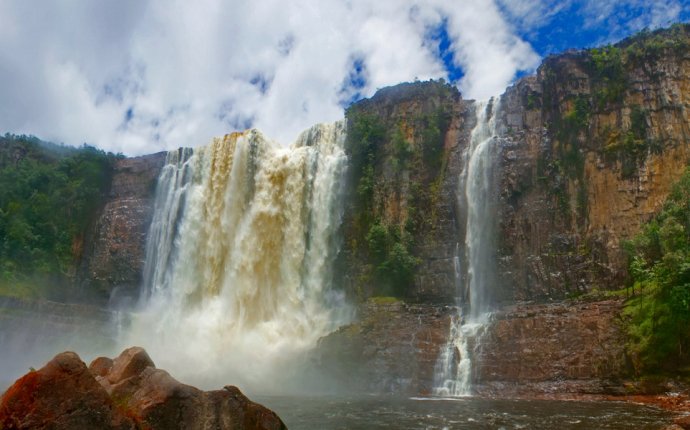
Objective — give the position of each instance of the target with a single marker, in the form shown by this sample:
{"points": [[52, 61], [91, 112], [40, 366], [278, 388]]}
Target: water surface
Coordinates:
{"points": [[373, 412]]}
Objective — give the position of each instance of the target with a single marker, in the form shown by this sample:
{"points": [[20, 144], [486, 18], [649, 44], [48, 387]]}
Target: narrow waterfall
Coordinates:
{"points": [[476, 194], [239, 255]]}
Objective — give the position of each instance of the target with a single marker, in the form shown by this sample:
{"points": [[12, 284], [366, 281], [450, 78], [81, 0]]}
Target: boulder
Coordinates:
{"points": [[61, 395], [125, 393], [682, 422], [101, 366], [130, 363]]}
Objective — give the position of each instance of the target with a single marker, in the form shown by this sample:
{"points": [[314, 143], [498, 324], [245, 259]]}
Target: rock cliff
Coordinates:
{"points": [[114, 255], [589, 149], [393, 348], [595, 141], [400, 227]]}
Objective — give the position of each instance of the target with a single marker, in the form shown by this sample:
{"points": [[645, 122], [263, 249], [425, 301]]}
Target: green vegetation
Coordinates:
{"points": [[659, 315], [396, 170], [402, 150], [394, 264], [609, 74], [384, 300], [632, 146], [366, 135], [433, 127], [48, 195], [648, 45], [609, 63]]}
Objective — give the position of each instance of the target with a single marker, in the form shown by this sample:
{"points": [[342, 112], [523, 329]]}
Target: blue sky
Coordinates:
{"points": [[138, 76]]}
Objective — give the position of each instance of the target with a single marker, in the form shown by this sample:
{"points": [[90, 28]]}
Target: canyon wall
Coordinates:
{"points": [[590, 148], [595, 141]]}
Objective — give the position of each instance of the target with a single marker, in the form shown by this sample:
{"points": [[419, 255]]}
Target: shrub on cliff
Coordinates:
{"points": [[659, 316], [394, 264]]}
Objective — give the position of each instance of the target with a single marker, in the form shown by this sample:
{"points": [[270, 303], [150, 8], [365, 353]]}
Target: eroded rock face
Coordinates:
{"points": [[526, 349], [584, 166], [411, 192], [392, 349], [61, 395], [125, 393], [114, 256], [574, 347]]}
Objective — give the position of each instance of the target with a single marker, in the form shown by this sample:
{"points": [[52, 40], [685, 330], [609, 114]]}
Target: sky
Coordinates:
{"points": [[141, 76]]}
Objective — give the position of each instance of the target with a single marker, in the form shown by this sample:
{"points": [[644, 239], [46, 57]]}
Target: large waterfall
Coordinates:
{"points": [[239, 255], [476, 197]]}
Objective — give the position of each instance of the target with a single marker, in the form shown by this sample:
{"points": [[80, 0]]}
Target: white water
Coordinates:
{"points": [[453, 372], [237, 277]]}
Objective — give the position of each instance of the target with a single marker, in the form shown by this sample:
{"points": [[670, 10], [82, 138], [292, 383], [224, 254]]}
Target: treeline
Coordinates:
{"points": [[49, 194], [658, 316]]}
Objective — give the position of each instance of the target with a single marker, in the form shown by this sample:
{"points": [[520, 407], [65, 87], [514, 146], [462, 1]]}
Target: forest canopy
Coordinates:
{"points": [[48, 196]]}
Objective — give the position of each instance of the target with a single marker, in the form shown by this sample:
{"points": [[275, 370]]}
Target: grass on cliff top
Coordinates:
{"points": [[384, 300], [21, 290], [658, 317]]}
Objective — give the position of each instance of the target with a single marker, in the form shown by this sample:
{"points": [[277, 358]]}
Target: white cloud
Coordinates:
{"points": [[142, 76], [621, 18], [485, 47], [530, 14]]}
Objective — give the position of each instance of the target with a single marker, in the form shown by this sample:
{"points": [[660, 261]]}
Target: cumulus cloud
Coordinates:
{"points": [[139, 76]]}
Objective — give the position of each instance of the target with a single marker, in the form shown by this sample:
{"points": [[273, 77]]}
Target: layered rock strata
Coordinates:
{"points": [[114, 255]]}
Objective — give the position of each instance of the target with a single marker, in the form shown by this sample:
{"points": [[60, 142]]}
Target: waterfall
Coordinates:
{"points": [[476, 193], [239, 256]]}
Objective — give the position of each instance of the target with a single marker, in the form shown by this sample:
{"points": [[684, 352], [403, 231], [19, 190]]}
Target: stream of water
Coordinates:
{"points": [[476, 194]]}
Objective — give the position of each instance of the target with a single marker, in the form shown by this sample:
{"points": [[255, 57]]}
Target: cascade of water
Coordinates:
{"points": [[171, 189], [239, 257], [453, 372]]}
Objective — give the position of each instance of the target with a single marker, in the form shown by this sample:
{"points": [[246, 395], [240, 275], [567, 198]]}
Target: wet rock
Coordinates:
{"points": [[682, 422], [392, 349], [564, 347], [125, 393], [61, 395], [114, 257], [101, 366], [130, 363]]}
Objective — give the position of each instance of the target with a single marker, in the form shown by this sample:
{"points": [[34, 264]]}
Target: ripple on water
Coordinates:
{"points": [[374, 412]]}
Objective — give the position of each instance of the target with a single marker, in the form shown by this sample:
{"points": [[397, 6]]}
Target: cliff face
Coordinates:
{"points": [[393, 348], [401, 224], [594, 143], [590, 148], [114, 257], [565, 347]]}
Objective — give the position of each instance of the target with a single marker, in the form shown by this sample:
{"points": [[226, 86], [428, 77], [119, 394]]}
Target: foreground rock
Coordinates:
{"points": [[125, 393]]}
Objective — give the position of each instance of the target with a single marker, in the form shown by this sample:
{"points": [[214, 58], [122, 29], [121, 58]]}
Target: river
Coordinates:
{"points": [[380, 412]]}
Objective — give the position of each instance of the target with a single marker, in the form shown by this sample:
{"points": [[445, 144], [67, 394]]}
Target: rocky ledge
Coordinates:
{"points": [[125, 393]]}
